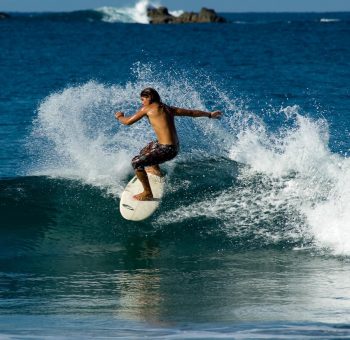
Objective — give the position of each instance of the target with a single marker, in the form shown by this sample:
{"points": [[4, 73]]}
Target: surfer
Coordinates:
{"points": [[166, 147]]}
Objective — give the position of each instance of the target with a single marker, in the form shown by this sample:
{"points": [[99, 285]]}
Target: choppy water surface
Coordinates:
{"points": [[252, 238]]}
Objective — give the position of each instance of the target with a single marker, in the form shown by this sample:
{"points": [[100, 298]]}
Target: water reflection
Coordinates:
{"points": [[247, 287], [83, 260], [139, 285]]}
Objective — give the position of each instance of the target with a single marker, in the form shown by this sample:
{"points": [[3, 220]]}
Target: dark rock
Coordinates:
{"points": [[209, 15], [4, 15], [161, 15], [187, 17]]}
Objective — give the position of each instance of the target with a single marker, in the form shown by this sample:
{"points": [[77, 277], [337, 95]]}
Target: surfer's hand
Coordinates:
{"points": [[119, 114], [215, 114]]}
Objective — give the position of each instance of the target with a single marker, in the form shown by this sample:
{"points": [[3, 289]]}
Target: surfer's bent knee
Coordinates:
{"points": [[137, 163], [154, 154]]}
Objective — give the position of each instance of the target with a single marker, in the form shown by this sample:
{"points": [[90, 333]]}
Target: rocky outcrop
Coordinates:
{"points": [[4, 15], [161, 15]]}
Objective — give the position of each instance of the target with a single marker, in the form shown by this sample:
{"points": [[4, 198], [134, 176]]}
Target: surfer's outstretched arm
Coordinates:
{"points": [[195, 113], [131, 119]]}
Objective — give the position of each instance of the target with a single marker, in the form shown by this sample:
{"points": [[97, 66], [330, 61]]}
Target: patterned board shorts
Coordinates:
{"points": [[153, 154]]}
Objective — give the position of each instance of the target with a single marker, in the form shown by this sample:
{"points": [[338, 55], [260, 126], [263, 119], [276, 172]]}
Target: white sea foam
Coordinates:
{"points": [[329, 20], [70, 145], [176, 13], [136, 14], [319, 189]]}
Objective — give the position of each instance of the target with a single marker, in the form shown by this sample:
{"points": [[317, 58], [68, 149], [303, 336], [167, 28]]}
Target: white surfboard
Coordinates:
{"points": [[135, 210]]}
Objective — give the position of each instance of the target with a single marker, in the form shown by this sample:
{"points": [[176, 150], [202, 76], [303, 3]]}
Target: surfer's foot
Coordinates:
{"points": [[154, 171], [144, 196]]}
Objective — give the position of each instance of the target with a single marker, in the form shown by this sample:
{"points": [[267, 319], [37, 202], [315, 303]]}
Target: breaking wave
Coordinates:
{"points": [[237, 177]]}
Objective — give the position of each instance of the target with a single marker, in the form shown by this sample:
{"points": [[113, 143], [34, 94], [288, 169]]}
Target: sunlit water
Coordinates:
{"points": [[252, 237]]}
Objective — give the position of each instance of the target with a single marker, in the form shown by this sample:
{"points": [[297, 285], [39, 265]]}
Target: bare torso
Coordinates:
{"points": [[161, 118]]}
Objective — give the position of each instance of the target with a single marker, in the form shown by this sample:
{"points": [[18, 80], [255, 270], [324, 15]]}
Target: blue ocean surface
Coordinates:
{"points": [[252, 238]]}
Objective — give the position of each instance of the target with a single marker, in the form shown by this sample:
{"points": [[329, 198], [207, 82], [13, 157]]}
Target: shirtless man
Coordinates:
{"points": [[166, 147]]}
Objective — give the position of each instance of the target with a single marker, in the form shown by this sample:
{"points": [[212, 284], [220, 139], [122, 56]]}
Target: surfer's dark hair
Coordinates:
{"points": [[151, 93]]}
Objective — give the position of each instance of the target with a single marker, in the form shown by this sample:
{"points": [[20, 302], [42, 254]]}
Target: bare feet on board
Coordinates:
{"points": [[143, 196]]}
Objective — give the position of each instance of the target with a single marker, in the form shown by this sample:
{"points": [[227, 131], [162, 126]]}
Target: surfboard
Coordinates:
{"points": [[135, 210]]}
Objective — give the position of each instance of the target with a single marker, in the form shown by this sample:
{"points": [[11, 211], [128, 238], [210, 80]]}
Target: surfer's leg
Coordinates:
{"points": [[159, 153], [155, 170], [146, 195], [151, 157], [138, 163]]}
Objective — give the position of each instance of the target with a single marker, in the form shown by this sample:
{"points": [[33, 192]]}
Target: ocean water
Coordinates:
{"points": [[252, 239]]}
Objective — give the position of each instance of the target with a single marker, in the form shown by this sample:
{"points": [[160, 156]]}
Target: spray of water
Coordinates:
{"points": [[75, 134], [318, 188]]}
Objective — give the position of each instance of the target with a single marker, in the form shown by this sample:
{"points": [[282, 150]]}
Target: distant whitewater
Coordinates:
{"points": [[136, 14]]}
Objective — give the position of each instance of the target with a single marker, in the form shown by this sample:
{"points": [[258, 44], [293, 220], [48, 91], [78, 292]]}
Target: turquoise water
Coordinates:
{"points": [[252, 238]]}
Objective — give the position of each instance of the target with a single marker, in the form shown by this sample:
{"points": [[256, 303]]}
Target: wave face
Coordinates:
{"points": [[258, 186]]}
